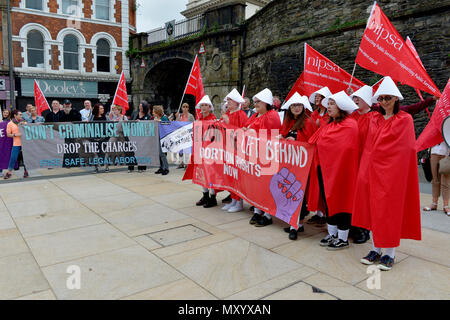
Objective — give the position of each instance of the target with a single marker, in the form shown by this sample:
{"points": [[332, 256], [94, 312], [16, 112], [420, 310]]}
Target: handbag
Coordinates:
{"points": [[444, 165], [426, 166]]}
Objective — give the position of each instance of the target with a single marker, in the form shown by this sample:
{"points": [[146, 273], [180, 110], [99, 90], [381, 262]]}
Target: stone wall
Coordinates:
{"points": [[275, 36]]}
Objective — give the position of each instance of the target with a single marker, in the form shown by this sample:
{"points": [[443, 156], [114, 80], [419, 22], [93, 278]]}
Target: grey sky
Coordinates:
{"points": [[152, 14]]}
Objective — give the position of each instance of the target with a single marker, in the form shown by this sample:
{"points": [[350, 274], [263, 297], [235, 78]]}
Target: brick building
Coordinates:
{"points": [[74, 48]]}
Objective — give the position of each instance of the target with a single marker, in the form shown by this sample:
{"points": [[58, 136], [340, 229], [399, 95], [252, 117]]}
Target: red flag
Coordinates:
{"points": [[195, 83], [121, 97], [320, 72], [383, 50], [39, 99], [432, 134]]}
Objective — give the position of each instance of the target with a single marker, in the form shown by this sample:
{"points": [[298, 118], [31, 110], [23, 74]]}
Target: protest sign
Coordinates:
{"points": [[77, 144], [271, 174]]}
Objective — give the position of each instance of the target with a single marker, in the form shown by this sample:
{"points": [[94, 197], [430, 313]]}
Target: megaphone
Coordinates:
{"points": [[446, 130]]}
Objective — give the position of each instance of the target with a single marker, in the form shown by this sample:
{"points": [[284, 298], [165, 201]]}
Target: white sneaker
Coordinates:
{"points": [[239, 206], [228, 206]]}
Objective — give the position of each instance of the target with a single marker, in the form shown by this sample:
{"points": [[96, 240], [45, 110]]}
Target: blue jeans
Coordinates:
{"points": [[15, 151]]}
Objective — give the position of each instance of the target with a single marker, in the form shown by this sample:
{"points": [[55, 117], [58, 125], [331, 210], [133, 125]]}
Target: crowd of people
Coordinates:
{"points": [[364, 174], [363, 181], [65, 113]]}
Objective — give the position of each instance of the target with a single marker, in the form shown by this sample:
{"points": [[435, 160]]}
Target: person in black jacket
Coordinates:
{"points": [[55, 114], [69, 114]]}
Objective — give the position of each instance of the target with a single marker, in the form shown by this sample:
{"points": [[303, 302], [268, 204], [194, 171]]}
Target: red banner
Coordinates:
{"points": [[39, 99], [121, 96], [432, 134], [319, 72], [195, 83], [270, 174], [383, 50]]}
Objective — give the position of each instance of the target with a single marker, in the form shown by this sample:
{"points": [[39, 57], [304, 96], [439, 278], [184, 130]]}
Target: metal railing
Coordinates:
{"points": [[183, 28]]}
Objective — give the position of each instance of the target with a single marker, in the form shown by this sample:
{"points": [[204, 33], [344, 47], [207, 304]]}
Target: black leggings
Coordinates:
{"points": [[343, 219]]}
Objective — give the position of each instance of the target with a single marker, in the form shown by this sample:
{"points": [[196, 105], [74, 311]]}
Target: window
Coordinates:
{"points": [[34, 4], [103, 56], [35, 49], [102, 9], [70, 52], [70, 7]]}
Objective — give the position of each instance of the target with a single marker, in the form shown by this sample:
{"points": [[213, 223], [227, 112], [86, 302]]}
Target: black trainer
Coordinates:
{"points": [[203, 200], [211, 202], [327, 240], [288, 229], [255, 218], [165, 172], [263, 221], [371, 258], [338, 244], [293, 234], [314, 219], [160, 170], [386, 263]]}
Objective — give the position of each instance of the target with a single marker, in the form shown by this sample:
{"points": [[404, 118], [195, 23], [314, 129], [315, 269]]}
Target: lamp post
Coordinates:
{"points": [[12, 97]]}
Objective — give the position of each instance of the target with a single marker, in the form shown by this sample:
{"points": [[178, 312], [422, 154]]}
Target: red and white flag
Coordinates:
{"points": [[195, 84], [383, 50], [39, 99], [319, 72], [121, 96], [432, 134]]}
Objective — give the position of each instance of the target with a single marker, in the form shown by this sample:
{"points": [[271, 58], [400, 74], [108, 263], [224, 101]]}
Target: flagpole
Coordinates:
{"points": [[187, 82], [351, 79]]}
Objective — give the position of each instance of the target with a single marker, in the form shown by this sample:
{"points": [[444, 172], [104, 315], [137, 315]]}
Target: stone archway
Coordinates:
{"points": [[165, 82]]}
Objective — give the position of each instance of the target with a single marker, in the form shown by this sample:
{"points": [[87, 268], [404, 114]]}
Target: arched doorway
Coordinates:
{"points": [[164, 84]]}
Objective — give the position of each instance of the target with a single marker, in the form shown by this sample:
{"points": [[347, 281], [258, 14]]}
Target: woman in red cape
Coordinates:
{"points": [[234, 118], [338, 151], [268, 119], [298, 126], [387, 199], [321, 119], [207, 200]]}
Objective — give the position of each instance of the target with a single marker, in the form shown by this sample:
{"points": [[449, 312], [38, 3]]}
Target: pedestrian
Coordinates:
{"points": [[440, 181], [338, 151], [34, 117], [6, 115], [55, 114], [116, 114], [234, 118], [246, 108], [69, 114], [184, 116], [140, 115], [298, 126], [158, 115], [12, 131], [86, 113], [265, 118], [387, 199], [98, 114], [27, 114]]}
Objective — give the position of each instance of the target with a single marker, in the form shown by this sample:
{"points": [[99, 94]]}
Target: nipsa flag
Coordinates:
{"points": [[195, 83], [39, 99], [121, 97], [319, 72], [383, 50]]}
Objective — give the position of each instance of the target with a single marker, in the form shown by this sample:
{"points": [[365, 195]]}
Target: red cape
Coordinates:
{"points": [[338, 150], [323, 120], [269, 120], [387, 199]]}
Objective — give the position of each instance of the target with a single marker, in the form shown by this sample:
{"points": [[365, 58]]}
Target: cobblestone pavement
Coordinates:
{"points": [[140, 236]]}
